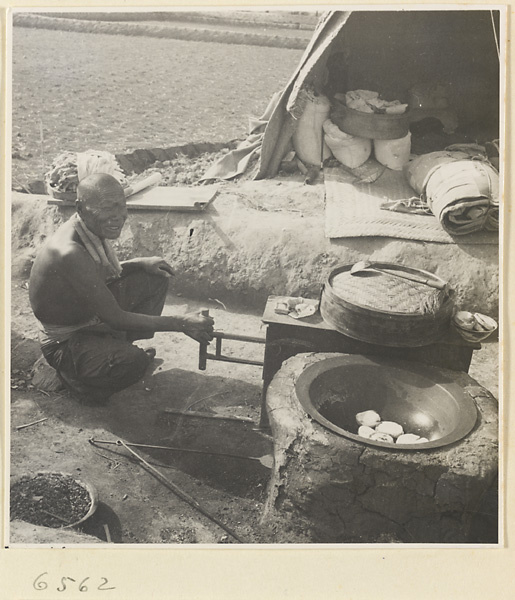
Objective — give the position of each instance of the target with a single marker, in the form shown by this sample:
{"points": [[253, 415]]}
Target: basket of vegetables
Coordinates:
{"points": [[62, 179], [69, 168]]}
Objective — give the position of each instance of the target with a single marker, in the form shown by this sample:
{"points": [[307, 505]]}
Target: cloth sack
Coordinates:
{"points": [[308, 138], [393, 154], [349, 150]]}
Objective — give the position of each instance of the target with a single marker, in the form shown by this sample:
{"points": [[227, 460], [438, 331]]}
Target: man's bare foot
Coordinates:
{"points": [[151, 353]]}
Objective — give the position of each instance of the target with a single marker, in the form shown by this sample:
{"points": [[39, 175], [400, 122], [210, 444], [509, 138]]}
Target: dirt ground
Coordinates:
{"points": [[134, 505]]}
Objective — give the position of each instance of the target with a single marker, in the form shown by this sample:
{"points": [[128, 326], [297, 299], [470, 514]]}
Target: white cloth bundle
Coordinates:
{"points": [[95, 161], [370, 102]]}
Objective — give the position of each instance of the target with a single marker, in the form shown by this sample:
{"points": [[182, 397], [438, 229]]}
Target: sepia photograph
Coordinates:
{"points": [[256, 287]]}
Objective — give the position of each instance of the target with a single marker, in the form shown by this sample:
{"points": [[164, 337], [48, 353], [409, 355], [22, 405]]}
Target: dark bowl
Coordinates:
{"points": [[370, 125]]}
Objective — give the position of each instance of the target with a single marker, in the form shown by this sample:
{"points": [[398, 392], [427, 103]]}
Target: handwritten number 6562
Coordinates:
{"points": [[41, 584]]}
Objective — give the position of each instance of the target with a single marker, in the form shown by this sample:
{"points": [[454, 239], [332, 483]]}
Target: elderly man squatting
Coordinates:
{"points": [[91, 307]]}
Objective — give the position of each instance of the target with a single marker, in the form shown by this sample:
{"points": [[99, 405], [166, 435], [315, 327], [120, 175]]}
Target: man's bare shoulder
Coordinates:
{"points": [[65, 248]]}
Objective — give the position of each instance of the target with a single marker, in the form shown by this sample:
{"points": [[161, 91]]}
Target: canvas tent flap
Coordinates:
{"points": [[280, 126], [449, 54], [321, 45]]}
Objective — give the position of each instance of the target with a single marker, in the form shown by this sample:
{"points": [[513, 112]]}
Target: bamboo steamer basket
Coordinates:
{"points": [[369, 125], [384, 309]]}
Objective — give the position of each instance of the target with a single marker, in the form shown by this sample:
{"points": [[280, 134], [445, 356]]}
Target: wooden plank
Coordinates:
{"points": [[173, 198], [176, 198]]}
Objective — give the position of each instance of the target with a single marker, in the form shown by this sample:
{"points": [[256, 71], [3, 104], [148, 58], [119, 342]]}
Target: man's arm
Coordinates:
{"points": [[151, 264], [80, 272]]}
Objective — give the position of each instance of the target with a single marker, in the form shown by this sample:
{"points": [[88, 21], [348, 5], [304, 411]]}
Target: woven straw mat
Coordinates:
{"points": [[354, 210], [384, 292]]}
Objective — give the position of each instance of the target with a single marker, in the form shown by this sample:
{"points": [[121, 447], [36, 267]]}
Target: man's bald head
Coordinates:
{"points": [[96, 187], [101, 205]]}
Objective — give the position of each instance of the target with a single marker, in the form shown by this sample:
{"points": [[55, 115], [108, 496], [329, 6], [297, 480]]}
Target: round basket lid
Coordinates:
{"points": [[385, 291]]}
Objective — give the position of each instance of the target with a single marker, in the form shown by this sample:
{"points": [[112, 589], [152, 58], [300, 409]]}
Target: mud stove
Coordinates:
{"points": [[342, 488]]}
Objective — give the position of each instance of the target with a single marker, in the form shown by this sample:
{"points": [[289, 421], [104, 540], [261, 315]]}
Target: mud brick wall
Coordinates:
{"points": [[241, 255]]}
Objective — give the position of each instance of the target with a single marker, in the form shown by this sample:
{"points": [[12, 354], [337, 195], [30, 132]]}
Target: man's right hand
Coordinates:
{"points": [[199, 327]]}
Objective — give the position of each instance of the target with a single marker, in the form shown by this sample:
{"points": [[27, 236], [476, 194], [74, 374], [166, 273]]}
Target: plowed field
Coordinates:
{"points": [[76, 91]]}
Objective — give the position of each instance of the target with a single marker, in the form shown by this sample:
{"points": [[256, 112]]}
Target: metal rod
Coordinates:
{"points": [[219, 336], [201, 415], [182, 495], [242, 338], [194, 450], [202, 355], [240, 361]]}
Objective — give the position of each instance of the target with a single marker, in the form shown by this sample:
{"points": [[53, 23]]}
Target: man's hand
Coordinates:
{"points": [[156, 266], [199, 327]]}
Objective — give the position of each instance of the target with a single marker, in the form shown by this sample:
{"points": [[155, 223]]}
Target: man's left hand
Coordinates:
{"points": [[156, 266]]}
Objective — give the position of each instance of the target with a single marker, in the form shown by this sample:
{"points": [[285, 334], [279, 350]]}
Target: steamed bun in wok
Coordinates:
{"points": [[369, 418]]}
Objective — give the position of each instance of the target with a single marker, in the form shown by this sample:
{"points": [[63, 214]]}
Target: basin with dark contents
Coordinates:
{"points": [[424, 400], [52, 500], [343, 489]]}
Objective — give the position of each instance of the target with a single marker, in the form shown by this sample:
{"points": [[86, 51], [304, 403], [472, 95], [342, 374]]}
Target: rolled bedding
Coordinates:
{"points": [[461, 191]]}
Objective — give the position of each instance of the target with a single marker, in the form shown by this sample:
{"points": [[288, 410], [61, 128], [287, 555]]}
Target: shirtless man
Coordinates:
{"points": [[91, 307]]}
